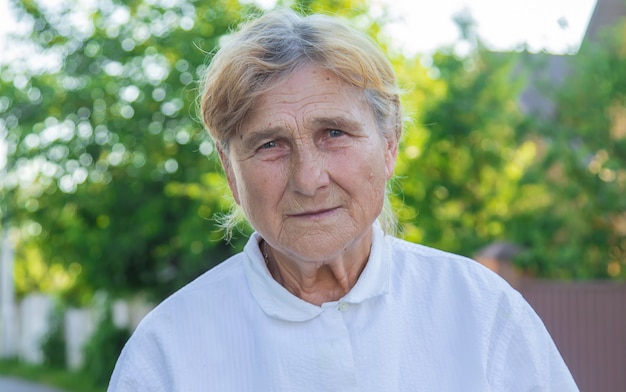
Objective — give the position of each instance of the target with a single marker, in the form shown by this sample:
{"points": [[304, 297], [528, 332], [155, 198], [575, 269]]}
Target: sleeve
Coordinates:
{"points": [[524, 357]]}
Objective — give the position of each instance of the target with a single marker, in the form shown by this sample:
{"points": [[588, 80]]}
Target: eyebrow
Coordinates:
{"points": [[337, 122]]}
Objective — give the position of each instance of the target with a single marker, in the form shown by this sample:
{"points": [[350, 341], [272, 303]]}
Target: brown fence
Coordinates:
{"points": [[587, 320]]}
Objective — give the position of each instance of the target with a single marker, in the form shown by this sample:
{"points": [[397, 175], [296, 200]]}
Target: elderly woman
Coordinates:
{"points": [[306, 117]]}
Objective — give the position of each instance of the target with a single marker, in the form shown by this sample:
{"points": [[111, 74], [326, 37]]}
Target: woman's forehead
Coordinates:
{"points": [[308, 79], [309, 90]]}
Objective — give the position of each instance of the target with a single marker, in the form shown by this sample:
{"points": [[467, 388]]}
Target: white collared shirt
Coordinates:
{"points": [[418, 319]]}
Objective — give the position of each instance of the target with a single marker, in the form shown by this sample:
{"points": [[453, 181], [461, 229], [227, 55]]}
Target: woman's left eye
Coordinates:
{"points": [[269, 145], [335, 133]]}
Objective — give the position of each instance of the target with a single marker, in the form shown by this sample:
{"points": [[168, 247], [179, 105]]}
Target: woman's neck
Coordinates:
{"points": [[316, 282]]}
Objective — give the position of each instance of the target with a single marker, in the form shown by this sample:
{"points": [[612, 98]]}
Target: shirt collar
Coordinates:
{"points": [[277, 302]]}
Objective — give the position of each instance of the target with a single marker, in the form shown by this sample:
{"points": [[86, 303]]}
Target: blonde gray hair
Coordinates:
{"points": [[272, 46]]}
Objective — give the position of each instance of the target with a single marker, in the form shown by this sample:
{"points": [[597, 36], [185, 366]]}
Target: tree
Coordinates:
{"points": [[109, 168], [582, 226], [461, 159]]}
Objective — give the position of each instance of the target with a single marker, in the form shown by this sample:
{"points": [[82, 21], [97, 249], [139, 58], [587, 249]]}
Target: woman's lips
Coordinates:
{"points": [[314, 213]]}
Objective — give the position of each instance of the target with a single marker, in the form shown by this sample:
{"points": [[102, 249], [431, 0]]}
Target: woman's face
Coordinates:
{"points": [[309, 166]]}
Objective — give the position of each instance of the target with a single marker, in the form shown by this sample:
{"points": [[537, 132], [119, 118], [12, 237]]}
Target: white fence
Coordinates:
{"points": [[32, 323]]}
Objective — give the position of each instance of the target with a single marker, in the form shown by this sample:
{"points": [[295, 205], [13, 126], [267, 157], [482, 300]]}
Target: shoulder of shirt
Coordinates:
{"points": [[425, 253], [430, 261], [448, 275]]}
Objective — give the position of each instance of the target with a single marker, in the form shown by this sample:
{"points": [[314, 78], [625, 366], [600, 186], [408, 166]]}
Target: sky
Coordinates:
{"points": [[421, 26], [556, 26]]}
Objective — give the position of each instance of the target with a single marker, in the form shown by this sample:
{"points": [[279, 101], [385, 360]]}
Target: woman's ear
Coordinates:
{"points": [[391, 152], [230, 175]]}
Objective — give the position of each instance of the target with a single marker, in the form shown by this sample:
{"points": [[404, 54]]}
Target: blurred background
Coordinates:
{"points": [[514, 153]]}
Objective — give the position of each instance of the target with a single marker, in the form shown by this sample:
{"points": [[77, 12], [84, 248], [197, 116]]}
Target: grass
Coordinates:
{"points": [[62, 379]]}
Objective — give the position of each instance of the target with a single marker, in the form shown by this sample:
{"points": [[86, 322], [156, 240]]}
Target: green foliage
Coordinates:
{"points": [[345, 8], [581, 231], [461, 162], [53, 346], [103, 350], [55, 377], [125, 181]]}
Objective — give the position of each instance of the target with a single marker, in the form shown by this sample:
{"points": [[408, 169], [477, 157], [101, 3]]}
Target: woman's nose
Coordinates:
{"points": [[309, 172]]}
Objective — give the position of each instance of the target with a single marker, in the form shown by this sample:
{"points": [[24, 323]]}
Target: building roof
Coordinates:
{"points": [[605, 13], [547, 71]]}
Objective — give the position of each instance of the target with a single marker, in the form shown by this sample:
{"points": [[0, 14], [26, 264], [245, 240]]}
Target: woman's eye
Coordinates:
{"points": [[335, 133], [267, 145]]}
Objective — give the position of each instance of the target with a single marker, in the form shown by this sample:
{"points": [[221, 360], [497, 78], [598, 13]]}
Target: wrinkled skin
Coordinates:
{"points": [[309, 169]]}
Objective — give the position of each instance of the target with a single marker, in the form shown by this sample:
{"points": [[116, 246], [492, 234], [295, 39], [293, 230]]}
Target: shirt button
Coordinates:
{"points": [[342, 306]]}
